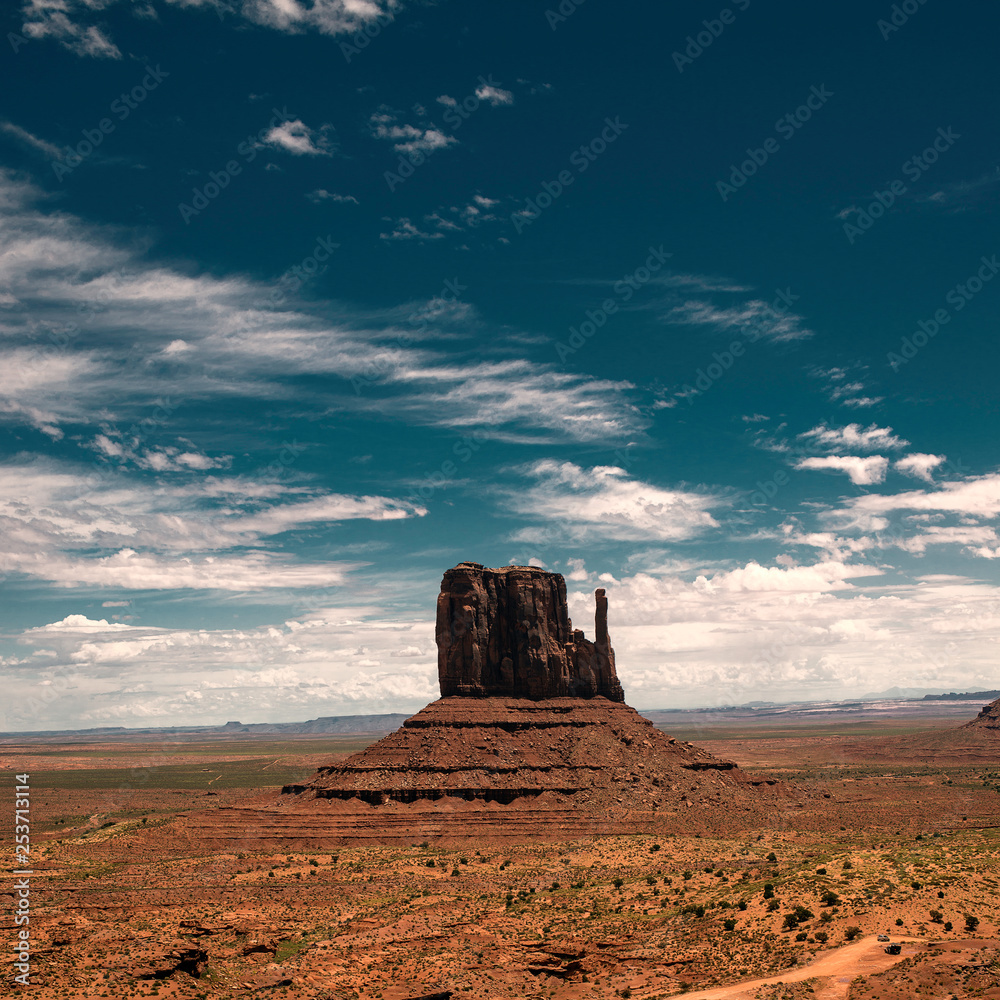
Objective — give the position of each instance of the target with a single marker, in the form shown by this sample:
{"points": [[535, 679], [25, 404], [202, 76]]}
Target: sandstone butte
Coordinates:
{"points": [[988, 719], [531, 738]]}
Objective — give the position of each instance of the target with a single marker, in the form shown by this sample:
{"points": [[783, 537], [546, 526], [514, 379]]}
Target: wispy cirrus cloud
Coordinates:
{"points": [[76, 526], [209, 338], [753, 315], [321, 195], [960, 196], [26, 138], [847, 385]]}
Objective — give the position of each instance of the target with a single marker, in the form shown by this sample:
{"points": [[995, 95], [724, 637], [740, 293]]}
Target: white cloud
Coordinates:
{"points": [[853, 436], [793, 633], [299, 139], [169, 458], [604, 503], [845, 385], [962, 195], [979, 538], [409, 138], [862, 471], [862, 402], [210, 338], [494, 95], [321, 195], [329, 17], [753, 316], [32, 141], [132, 570], [100, 527], [919, 465], [52, 19], [700, 283], [332, 661], [976, 495], [517, 401], [66, 20], [405, 230]]}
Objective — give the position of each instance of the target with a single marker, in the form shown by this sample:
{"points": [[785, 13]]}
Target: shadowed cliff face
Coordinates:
{"points": [[506, 632]]}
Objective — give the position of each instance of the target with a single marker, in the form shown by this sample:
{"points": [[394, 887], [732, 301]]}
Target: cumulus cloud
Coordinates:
{"points": [[919, 465], [775, 633], [299, 139], [862, 471], [404, 229], [855, 437], [605, 503], [409, 138], [493, 95], [61, 21], [331, 661], [168, 458], [66, 21]]}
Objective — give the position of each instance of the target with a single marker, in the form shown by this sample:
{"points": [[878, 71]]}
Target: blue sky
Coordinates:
{"points": [[303, 303]]}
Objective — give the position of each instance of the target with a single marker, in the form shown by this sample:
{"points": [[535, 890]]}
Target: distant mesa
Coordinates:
{"points": [[507, 632]]}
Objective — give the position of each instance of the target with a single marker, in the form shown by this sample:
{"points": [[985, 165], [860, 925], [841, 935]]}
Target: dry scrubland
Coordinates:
{"points": [[905, 849]]}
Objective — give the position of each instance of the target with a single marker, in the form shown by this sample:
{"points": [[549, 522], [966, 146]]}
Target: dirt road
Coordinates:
{"points": [[834, 970]]}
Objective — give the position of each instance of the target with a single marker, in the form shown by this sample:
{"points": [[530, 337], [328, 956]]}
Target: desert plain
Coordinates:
{"points": [[885, 827]]}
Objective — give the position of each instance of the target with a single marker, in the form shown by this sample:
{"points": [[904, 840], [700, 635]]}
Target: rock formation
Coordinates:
{"points": [[507, 632], [530, 739], [988, 718]]}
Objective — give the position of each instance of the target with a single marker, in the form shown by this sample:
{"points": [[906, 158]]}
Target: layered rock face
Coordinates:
{"points": [[507, 632], [988, 718]]}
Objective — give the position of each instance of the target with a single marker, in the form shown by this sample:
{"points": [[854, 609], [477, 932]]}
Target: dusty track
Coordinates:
{"points": [[835, 969]]}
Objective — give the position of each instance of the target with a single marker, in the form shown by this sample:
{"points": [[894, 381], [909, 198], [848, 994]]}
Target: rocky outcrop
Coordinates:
{"points": [[530, 739], [507, 632], [506, 749], [988, 718]]}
